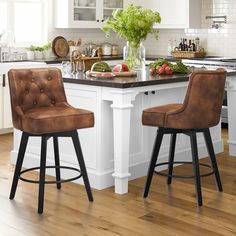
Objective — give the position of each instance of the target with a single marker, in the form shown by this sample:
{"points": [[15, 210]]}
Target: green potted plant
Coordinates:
{"points": [[30, 52], [133, 24], [47, 50], [38, 54]]}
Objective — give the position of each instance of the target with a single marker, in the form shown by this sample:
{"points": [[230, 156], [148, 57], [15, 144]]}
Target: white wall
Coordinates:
{"points": [[219, 42]]}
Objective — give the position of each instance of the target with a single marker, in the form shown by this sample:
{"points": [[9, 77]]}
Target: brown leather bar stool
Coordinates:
{"points": [[200, 111], [40, 108]]}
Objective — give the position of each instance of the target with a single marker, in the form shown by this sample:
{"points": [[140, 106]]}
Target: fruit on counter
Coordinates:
{"points": [[168, 70], [100, 66], [121, 68], [161, 70], [162, 66]]}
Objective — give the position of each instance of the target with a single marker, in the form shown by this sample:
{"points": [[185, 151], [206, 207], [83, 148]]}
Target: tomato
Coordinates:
{"points": [[152, 71], [164, 66], [158, 67], [168, 70], [161, 71]]}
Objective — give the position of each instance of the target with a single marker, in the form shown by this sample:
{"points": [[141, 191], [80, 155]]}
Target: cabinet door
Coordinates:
{"points": [[1, 101], [84, 13], [174, 13], [7, 115], [110, 5]]}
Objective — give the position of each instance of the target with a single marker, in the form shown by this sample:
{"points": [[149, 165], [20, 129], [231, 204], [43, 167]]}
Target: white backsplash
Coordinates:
{"points": [[219, 42]]}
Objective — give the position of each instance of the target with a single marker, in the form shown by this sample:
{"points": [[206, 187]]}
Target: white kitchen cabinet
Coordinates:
{"points": [[1, 101], [84, 13], [5, 110], [175, 14]]}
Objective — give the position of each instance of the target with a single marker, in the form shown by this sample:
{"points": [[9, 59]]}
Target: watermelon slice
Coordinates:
{"points": [[121, 68]]}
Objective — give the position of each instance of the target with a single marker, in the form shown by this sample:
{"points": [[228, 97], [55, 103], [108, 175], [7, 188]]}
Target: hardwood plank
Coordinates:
{"points": [[167, 210]]}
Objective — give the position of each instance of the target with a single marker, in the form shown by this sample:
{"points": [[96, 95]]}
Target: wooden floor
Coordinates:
{"points": [[167, 211]]}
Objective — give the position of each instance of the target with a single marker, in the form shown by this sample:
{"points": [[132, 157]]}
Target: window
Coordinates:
{"points": [[28, 21], [25, 18], [3, 16]]}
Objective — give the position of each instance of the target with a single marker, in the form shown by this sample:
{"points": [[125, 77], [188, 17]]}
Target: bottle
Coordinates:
{"points": [[181, 45], [197, 41], [193, 46], [189, 45], [169, 47], [185, 45]]}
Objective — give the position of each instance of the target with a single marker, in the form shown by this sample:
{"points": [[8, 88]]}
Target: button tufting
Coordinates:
{"points": [[53, 102], [41, 90], [27, 90], [35, 102], [32, 80], [49, 78]]}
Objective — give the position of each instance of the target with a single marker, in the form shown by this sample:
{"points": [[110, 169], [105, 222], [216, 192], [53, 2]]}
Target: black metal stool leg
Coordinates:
{"points": [[171, 157], [20, 158], [153, 161], [212, 156], [78, 150], [57, 161], [42, 174], [196, 170]]}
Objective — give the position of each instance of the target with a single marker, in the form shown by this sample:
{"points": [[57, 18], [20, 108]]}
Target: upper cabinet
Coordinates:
{"points": [[84, 13], [175, 14]]}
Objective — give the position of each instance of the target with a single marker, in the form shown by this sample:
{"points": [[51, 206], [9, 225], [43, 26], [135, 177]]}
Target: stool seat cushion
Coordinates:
{"points": [[156, 116], [56, 119]]}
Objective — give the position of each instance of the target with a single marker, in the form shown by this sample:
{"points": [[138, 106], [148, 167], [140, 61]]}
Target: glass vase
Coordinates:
{"points": [[134, 56]]}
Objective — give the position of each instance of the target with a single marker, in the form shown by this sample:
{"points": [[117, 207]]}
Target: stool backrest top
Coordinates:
{"points": [[204, 96]]}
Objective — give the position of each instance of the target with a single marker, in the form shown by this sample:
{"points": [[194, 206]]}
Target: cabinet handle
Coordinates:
{"points": [[153, 92], [97, 20], [146, 93], [3, 80], [102, 20]]}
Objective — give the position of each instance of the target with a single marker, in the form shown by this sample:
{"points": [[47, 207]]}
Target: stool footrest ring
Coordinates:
{"points": [[183, 176], [50, 182]]}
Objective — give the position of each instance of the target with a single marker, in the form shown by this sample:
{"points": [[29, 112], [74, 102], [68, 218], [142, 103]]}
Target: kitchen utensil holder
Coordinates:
{"points": [[87, 61]]}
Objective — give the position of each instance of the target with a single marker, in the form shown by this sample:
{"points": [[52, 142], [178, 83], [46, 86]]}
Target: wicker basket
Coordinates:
{"points": [[88, 61], [186, 54]]}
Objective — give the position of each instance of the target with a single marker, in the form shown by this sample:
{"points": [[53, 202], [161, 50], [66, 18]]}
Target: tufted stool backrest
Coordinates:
{"points": [[34, 88]]}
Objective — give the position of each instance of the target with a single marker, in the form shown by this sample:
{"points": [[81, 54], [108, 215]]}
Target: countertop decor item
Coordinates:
{"points": [[133, 24], [185, 54], [60, 47]]}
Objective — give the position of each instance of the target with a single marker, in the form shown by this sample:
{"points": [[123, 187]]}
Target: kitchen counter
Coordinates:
{"points": [[142, 79]]}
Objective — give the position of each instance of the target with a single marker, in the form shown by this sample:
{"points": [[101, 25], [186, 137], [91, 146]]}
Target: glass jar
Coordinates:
{"points": [[106, 49], [115, 50], [134, 56]]}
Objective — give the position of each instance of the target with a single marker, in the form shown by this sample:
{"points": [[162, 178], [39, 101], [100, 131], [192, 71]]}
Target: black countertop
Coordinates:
{"points": [[142, 79]]}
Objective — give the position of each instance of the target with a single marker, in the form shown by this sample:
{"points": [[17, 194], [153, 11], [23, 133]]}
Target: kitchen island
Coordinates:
{"points": [[118, 145]]}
